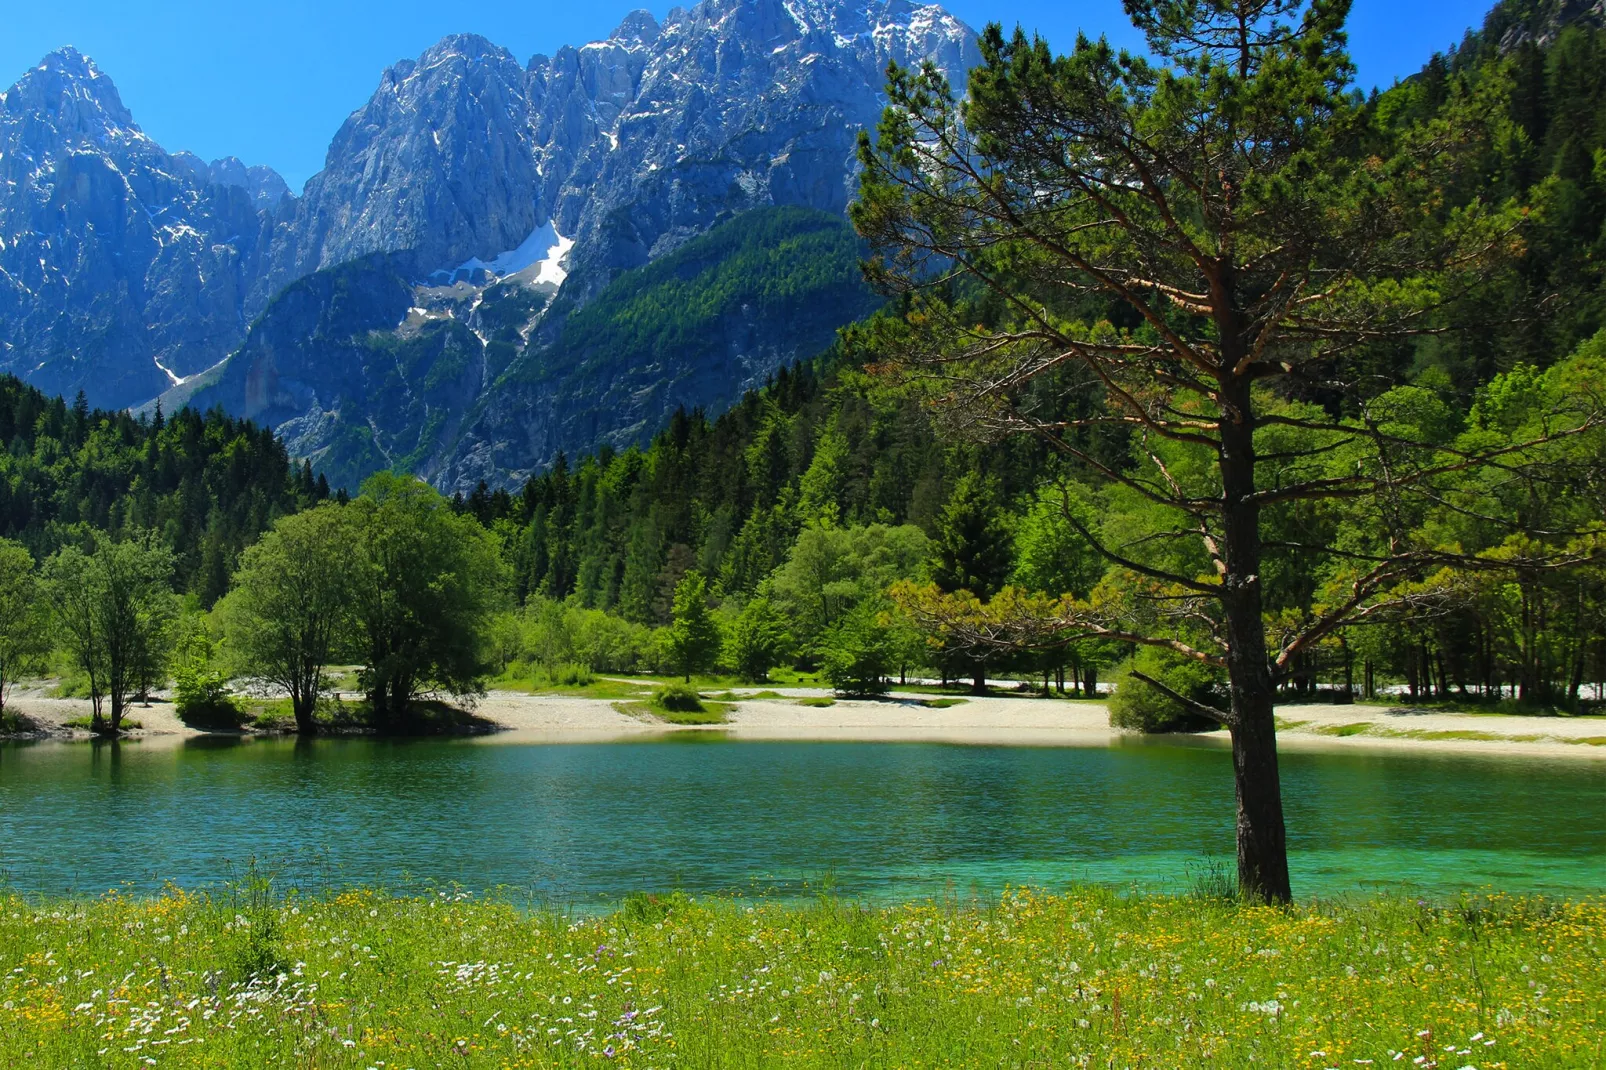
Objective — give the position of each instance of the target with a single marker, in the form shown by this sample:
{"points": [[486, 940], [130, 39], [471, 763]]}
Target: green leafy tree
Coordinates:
{"points": [[1141, 707], [693, 638], [1195, 238], [201, 692], [758, 640], [112, 607], [24, 637], [428, 584], [1052, 557], [293, 604], [820, 487], [831, 570], [858, 652], [1050, 553]]}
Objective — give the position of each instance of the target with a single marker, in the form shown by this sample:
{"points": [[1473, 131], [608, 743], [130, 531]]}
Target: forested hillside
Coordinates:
{"points": [[208, 485], [829, 447]]}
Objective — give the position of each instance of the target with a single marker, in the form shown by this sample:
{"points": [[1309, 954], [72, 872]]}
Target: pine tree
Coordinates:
{"points": [[693, 637], [974, 548]]}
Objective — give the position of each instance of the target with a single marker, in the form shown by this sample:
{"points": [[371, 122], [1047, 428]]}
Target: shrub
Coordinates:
{"points": [[757, 641], [678, 698], [201, 694], [1143, 708], [857, 656], [202, 698], [568, 674]]}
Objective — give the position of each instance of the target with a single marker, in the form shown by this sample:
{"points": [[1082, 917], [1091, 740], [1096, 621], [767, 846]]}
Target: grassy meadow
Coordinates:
{"points": [[1088, 978]]}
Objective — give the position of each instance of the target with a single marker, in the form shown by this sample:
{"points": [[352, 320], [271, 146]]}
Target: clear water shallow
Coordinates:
{"points": [[584, 823]]}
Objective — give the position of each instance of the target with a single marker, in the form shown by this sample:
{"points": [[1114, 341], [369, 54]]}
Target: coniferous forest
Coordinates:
{"points": [[208, 484]]}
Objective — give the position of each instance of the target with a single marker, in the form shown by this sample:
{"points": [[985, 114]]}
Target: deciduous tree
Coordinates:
{"points": [[111, 607], [693, 637], [428, 583], [294, 603], [23, 634]]}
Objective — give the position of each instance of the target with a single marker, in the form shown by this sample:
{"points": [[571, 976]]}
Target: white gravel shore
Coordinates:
{"points": [[903, 717]]}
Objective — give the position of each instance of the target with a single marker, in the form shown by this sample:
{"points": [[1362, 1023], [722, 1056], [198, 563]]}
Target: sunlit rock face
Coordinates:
{"points": [[123, 269], [502, 197], [1541, 22]]}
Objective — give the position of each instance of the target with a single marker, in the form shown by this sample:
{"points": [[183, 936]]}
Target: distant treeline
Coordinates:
{"points": [[207, 484]]}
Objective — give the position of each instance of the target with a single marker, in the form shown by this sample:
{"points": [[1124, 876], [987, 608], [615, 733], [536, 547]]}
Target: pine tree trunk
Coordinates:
{"points": [[1349, 670], [1576, 680], [1262, 839]]}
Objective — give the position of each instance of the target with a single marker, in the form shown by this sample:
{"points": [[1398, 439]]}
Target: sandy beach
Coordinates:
{"points": [[1001, 720]]}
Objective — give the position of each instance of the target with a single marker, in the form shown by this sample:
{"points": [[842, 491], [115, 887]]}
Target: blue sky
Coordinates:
{"points": [[271, 82]]}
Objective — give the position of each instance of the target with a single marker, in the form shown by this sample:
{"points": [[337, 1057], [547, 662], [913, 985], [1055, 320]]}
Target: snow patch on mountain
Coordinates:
{"points": [[538, 259]]}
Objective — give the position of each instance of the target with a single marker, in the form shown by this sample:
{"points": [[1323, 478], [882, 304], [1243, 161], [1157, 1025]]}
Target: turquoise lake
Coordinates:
{"points": [[579, 824]]}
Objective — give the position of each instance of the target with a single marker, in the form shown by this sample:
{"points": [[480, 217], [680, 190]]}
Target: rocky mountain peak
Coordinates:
{"points": [[69, 93], [262, 184], [636, 30], [464, 46], [1540, 22], [123, 268], [434, 163], [408, 305]]}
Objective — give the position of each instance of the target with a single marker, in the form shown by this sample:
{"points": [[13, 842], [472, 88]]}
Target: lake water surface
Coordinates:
{"points": [[578, 824]]}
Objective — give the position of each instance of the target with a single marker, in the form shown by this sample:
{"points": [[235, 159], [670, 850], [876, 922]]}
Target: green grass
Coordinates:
{"points": [[129, 724], [599, 688], [819, 703], [1088, 978], [1355, 729], [1509, 707], [14, 723], [70, 685], [944, 703], [960, 687], [1370, 728], [711, 713], [1450, 734], [343, 678]]}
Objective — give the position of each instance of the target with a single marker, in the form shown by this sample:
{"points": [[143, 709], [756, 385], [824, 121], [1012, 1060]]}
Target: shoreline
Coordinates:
{"points": [[901, 717]]}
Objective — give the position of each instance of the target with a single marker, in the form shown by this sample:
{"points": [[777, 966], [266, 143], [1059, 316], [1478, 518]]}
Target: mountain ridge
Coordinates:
{"points": [[613, 154]]}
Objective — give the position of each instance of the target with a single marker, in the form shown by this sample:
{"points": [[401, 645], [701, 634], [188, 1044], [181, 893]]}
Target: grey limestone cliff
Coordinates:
{"points": [[122, 268], [411, 305]]}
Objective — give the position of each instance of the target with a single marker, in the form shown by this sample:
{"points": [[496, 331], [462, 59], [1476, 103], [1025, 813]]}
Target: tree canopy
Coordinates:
{"points": [[1208, 242]]}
